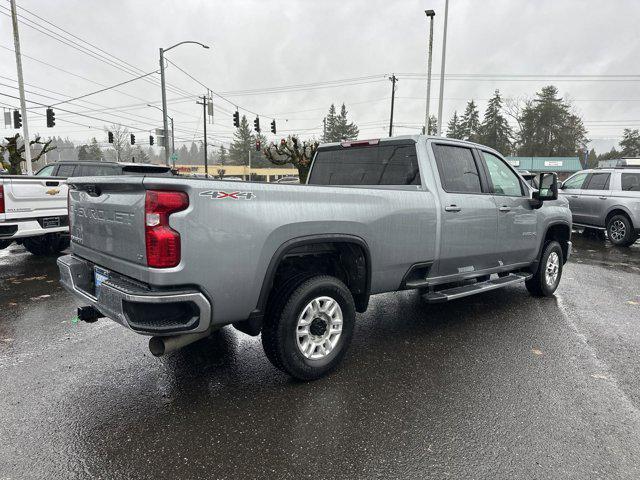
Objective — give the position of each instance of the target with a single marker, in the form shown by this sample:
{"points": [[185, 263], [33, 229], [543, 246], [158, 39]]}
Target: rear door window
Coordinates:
{"points": [[86, 170], [458, 170], [382, 165], [631, 182], [66, 170], [598, 181]]}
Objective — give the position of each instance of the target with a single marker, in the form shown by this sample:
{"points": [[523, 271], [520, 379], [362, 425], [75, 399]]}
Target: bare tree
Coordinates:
{"points": [[293, 151], [15, 151], [121, 142]]}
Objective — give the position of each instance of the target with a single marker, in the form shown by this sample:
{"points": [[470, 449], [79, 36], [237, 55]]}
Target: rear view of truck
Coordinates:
{"points": [[33, 211]]}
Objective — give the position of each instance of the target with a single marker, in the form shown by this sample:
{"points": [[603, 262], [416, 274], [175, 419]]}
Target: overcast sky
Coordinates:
{"points": [[264, 44]]}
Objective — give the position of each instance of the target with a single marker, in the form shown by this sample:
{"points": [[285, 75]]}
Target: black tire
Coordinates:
{"points": [[537, 285], [5, 243], [50, 244], [620, 231], [279, 332]]}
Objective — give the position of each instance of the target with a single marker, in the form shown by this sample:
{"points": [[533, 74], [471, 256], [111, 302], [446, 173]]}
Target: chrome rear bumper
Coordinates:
{"points": [[133, 305]]}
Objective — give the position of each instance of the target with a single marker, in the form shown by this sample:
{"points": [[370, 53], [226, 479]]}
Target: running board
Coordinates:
{"points": [[466, 290]]}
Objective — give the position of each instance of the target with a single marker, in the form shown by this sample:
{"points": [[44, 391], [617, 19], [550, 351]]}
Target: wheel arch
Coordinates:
{"points": [[618, 210], [560, 232], [315, 245]]}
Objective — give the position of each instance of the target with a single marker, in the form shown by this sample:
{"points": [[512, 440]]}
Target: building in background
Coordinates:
{"points": [[563, 166]]}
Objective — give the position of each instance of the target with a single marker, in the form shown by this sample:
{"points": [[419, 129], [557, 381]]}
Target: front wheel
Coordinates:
{"points": [[547, 276], [620, 231], [308, 329]]}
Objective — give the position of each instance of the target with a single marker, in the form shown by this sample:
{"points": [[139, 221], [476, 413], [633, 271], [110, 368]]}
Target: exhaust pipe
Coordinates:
{"points": [[159, 346]]}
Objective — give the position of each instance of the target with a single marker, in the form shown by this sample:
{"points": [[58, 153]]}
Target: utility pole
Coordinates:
{"points": [[204, 118], [249, 163], [164, 107], [430, 14], [23, 104], [324, 129], [393, 79], [444, 54]]}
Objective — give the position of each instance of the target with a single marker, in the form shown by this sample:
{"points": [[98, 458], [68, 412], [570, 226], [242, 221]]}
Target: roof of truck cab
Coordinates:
{"points": [[108, 162], [414, 138]]}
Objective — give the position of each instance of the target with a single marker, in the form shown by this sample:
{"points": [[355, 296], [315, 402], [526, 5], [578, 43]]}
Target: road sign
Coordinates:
{"points": [[174, 157]]}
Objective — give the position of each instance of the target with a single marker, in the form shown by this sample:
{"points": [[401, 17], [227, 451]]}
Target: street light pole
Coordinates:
{"points": [[430, 14], [444, 54], [164, 92], [23, 104]]}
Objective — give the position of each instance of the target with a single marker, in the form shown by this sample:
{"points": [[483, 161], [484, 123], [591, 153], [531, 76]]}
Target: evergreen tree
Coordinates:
{"points": [[454, 129], [223, 156], [548, 128], [470, 122], [195, 157], [630, 143], [183, 155], [338, 127], [95, 152], [329, 124], [592, 159], [494, 130], [433, 125], [83, 153], [242, 142]]}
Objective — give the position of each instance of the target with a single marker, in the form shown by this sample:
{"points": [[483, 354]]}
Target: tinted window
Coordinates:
{"points": [[158, 171], [576, 181], [46, 171], [458, 170], [384, 165], [505, 182], [66, 170], [631, 182], [598, 181], [86, 170]]}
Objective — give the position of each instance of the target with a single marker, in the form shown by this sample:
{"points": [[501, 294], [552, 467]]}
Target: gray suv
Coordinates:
{"points": [[606, 199]]}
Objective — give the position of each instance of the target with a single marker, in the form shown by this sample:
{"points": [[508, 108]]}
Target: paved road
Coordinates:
{"points": [[499, 386]]}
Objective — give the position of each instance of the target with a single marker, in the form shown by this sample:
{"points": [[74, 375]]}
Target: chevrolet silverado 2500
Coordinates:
{"points": [[177, 258]]}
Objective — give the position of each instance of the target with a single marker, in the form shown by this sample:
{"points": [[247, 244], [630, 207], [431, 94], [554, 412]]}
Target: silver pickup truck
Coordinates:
{"points": [[177, 258]]}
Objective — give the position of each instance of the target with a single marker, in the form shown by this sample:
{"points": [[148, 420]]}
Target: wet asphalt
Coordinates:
{"points": [[500, 385]]}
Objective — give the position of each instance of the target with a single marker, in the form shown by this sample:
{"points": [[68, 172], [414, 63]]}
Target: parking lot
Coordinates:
{"points": [[500, 385]]}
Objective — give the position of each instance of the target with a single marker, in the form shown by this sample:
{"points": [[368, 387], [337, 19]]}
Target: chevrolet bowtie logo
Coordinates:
{"points": [[53, 191]]}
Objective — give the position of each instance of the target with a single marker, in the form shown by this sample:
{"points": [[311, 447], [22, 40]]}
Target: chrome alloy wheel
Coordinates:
{"points": [[319, 328], [552, 268], [618, 230]]}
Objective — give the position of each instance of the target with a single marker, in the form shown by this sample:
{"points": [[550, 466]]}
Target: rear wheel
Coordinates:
{"points": [[309, 326], [547, 276], [620, 231], [49, 244]]}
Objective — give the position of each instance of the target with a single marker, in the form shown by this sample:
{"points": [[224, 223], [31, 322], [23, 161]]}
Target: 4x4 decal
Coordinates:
{"points": [[218, 195]]}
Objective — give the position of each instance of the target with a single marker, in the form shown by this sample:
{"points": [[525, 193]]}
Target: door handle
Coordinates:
{"points": [[452, 208], [602, 198], [573, 196], [505, 208], [52, 184]]}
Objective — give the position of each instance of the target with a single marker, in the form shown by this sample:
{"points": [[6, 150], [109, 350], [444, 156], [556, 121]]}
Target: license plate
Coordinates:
{"points": [[50, 222], [100, 275]]}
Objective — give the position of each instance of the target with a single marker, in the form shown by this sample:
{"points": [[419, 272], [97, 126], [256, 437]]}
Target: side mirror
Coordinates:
{"points": [[560, 185], [548, 189]]}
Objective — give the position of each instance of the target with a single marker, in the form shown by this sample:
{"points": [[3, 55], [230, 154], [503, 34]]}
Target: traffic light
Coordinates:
{"points": [[256, 124], [258, 145], [17, 119], [236, 119], [133, 139], [273, 126], [110, 135], [150, 139], [51, 118]]}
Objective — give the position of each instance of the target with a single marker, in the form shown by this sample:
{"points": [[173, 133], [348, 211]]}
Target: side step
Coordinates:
{"points": [[466, 290]]}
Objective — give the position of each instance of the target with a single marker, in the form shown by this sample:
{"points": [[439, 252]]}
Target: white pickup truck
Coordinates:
{"points": [[33, 211]]}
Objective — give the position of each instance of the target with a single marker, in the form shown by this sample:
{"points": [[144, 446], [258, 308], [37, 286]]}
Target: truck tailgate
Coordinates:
{"points": [[107, 217], [29, 197]]}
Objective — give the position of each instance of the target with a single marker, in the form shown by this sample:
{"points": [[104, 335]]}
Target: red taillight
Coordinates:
{"points": [[1, 199], [163, 243]]}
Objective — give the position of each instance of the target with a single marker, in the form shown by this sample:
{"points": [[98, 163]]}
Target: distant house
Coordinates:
{"points": [[563, 166]]}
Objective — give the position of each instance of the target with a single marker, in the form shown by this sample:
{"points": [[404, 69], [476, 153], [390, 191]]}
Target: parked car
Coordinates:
{"points": [[33, 209], [606, 199], [176, 258]]}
